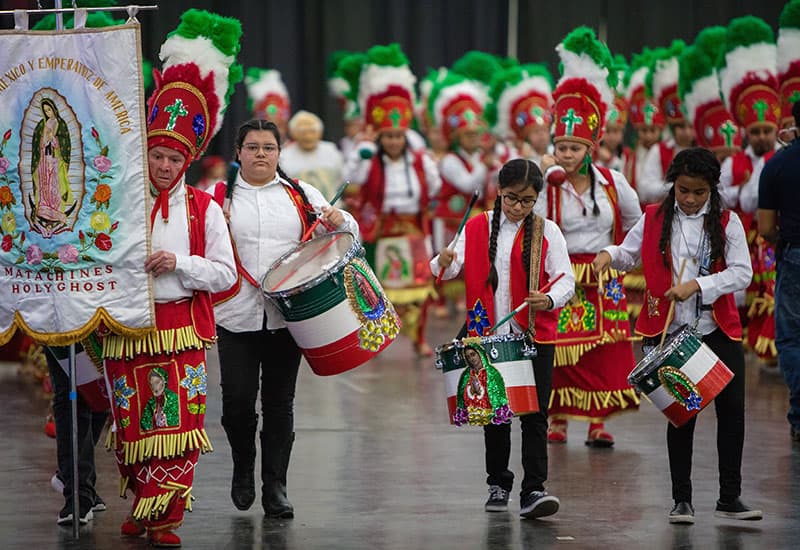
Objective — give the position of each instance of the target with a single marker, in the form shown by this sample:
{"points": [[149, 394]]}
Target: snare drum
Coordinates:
{"points": [[333, 304], [681, 378], [513, 394]]}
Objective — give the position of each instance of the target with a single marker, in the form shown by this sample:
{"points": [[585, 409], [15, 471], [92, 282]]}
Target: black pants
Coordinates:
{"points": [[729, 405], [497, 438], [90, 424], [243, 356]]}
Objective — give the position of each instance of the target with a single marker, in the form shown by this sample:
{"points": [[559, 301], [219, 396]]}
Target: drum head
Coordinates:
{"points": [[656, 356], [309, 261]]}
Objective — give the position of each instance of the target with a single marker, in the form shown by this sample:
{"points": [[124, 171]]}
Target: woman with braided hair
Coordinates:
{"points": [[690, 226], [496, 283]]}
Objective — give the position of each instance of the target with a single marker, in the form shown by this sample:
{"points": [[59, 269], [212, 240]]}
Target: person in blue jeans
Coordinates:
{"points": [[779, 220]]}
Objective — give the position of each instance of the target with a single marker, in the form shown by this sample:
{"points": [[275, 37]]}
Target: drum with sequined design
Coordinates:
{"points": [[334, 306], [507, 359], [682, 377]]}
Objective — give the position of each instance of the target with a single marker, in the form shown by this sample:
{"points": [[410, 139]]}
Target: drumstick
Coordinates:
{"points": [[671, 308], [317, 253], [523, 305], [458, 233], [336, 197]]}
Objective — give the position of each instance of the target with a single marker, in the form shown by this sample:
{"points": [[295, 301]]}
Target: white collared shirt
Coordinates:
{"points": [[687, 232], [555, 262], [589, 233], [652, 186], [214, 272], [454, 171], [265, 225], [744, 196], [403, 192]]}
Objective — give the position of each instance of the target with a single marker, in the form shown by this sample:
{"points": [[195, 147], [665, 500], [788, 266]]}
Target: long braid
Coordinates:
{"points": [[713, 225], [595, 208], [309, 210], [526, 244], [492, 280]]}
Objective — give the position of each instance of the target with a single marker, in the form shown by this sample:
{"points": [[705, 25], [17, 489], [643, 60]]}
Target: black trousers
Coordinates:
{"points": [[497, 438], [729, 405], [90, 424], [243, 357]]}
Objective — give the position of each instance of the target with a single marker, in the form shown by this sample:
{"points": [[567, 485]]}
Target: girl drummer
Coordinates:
{"points": [[691, 229], [496, 282]]}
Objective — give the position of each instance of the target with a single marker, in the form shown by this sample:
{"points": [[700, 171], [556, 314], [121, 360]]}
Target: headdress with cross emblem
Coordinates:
{"points": [[698, 87], [457, 103], [267, 95], [585, 89], [521, 98], [789, 60], [199, 72], [748, 72], [386, 94], [662, 81], [642, 108]]}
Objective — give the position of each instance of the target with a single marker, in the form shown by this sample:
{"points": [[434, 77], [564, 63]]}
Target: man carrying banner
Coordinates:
{"points": [[159, 382]]}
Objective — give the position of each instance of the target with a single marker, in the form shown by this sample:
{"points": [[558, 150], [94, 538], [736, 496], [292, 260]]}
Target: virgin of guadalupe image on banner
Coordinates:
{"points": [[73, 186]]}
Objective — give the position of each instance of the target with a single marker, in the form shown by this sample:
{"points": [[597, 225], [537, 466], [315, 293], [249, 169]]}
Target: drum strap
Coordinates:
{"points": [[536, 256]]}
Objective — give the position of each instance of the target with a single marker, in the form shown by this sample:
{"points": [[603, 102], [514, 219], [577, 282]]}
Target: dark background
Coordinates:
{"points": [[296, 37]]}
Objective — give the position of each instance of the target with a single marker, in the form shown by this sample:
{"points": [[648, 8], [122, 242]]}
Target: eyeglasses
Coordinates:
{"points": [[512, 200], [253, 148]]}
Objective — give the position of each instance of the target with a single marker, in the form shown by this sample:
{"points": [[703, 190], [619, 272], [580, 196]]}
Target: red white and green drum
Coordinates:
{"points": [[502, 385], [682, 378], [333, 305]]}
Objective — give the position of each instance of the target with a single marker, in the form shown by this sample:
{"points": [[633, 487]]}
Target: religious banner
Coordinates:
{"points": [[73, 184]]}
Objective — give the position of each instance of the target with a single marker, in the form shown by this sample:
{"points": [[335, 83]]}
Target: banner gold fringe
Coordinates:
{"points": [[157, 342], [73, 336], [569, 354], [153, 507], [161, 445], [402, 296], [587, 400]]}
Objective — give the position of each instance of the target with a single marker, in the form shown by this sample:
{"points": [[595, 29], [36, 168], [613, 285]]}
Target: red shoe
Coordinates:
{"points": [[50, 427], [557, 432], [598, 436], [132, 528], [164, 539]]}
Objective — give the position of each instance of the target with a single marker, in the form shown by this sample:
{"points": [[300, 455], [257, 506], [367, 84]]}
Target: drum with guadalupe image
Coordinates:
{"points": [[488, 379], [682, 377], [334, 306]]}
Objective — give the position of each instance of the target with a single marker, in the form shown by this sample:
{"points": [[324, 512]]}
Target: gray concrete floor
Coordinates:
{"points": [[376, 465]]}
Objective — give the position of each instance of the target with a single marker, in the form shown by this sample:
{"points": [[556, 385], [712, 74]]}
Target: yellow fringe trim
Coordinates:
{"points": [[409, 320], [73, 336], [569, 354], [586, 400], [153, 507], [157, 342], [765, 346], [761, 305], [634, 309], [162, 445], [634, 281], [402, 296], [584, 274], [123, 486]]}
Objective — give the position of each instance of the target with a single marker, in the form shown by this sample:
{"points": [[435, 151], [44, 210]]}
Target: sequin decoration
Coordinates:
{"points": [[652, 305], [478, 319], [680, 387], [613, 291], [122, 393], [195, 381], [482, 397], [363, 291]]}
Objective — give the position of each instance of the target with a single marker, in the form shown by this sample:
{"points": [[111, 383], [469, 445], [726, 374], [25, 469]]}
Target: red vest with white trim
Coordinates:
{"points": [[476, 273], [658, 278], [202, 306]]}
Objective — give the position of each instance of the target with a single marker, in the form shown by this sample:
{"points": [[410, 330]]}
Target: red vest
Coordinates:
{"points": [[476, 272], [373, 192], [241, 272], [659, 279], [202, 307], [554, 203], [448, 191]]}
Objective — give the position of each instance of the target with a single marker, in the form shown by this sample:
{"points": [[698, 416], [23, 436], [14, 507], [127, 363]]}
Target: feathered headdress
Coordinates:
{"points": [[642, 109], [521, 97], [344, 70], [267, 95], [386, 94], [789, 60], [456, 103], [584, 91], [662, 81]]}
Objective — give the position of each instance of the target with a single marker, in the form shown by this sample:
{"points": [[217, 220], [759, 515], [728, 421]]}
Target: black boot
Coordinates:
{"points": [[276, 448], [243, 451]]}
